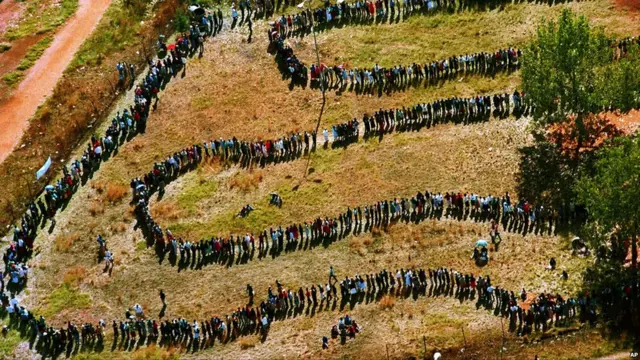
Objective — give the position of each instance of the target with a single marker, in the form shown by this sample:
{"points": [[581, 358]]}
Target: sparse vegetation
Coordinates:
{"points": [[66, 297], [64, 241], [481, 158], [41, 17], [115, 193], [34, 53]]}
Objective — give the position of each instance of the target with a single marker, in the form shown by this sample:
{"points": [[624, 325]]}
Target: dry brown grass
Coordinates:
{"points": [[248, 342], [387, 302], [96, 208], [119, 227], [75, 275], [64, 242], [98, 186], [166, 211], [246, 182], [115, 193]]}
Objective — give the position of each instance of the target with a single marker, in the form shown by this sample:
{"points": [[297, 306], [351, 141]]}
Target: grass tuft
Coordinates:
{"points": [[66, 297], [248, 342], [64, 242], [96, 209], [387, 302], [75, 275], [246, 182], [115, 193], [12, 78]]}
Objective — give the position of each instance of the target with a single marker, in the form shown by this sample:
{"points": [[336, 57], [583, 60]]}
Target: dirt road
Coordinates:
{"points": [[43, 76]]}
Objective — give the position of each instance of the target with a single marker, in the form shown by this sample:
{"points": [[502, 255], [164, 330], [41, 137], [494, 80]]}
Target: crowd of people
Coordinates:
{"points": [[524, 313], [621, 47], [123, 127]]}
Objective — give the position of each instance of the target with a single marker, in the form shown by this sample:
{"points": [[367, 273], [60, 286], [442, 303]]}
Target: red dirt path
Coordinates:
{"points": [[11, 58], [43, 76]]}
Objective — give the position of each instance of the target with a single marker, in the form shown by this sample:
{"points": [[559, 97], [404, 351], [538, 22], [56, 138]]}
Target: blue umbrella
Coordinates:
{"points": [[482, 243]]}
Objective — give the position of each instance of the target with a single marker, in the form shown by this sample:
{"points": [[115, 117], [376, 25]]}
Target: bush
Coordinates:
{"points": [[182, 20]]}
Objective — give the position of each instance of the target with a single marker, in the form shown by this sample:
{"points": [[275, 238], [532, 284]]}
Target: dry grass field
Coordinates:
{"points": [[236, 90]]}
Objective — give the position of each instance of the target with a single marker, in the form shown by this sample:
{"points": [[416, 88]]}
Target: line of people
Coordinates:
{"points": [[362, 12], [281, 303], [285, 148], [392, 78], [124, 126], [280, 149], [518, 216]]}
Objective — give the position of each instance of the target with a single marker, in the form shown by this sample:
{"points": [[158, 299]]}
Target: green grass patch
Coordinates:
{"points": [[118, 29], [141, 246], [63, 298], [39, 21], [4, 47], [262, 217], [9, 343], [189, 198], [34, 53], [12, 78]]}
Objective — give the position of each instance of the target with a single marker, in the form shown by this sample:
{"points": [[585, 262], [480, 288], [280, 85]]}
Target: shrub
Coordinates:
{"points": [[182, 20]]}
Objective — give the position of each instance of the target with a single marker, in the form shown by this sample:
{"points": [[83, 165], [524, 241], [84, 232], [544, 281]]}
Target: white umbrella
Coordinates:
{"points": [[482, 243]]}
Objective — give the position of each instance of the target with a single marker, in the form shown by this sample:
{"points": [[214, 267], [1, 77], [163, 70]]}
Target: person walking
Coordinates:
{"points": [[163, 298], [332, 274]]}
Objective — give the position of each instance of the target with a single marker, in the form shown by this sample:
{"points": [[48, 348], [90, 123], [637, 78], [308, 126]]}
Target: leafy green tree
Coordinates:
{"points": [[611, 195], [619, 82], [560, 68]]}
